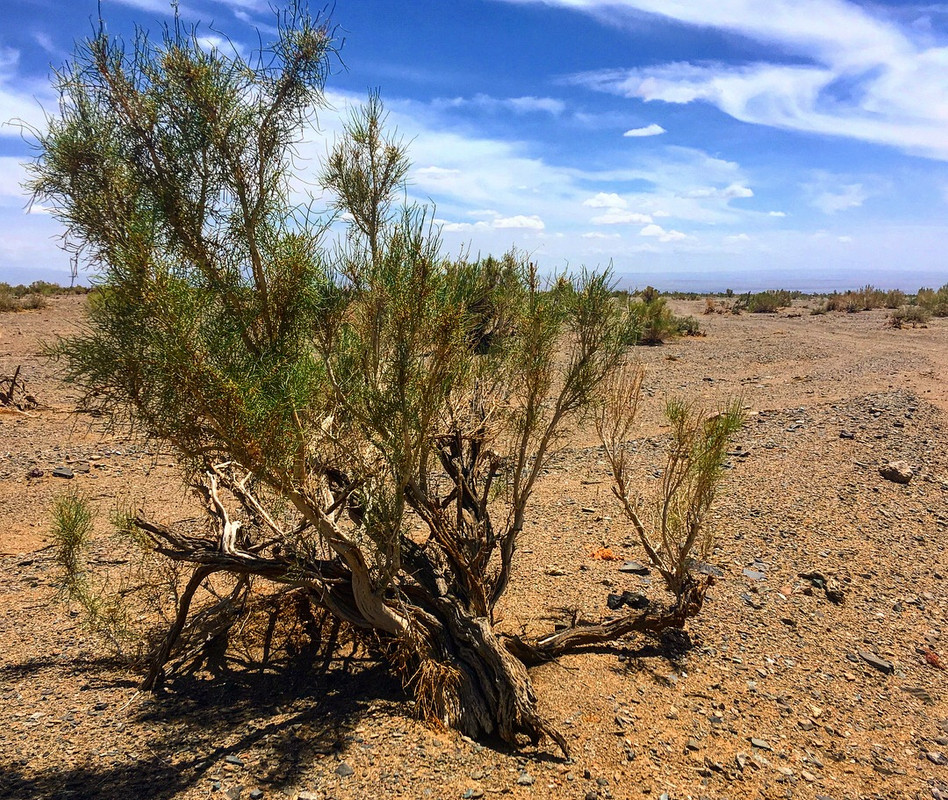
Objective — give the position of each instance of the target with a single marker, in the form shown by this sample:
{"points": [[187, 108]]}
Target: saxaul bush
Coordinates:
{"points": [[364, 420]]}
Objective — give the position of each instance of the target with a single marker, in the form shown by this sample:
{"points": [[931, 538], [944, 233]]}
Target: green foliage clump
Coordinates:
{"points": [[914, 316], [768, 302], [672, 522], [651, 321], [935, 302]]}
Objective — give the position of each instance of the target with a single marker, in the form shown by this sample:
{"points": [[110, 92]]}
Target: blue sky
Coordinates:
{"points": [[691, 144]]}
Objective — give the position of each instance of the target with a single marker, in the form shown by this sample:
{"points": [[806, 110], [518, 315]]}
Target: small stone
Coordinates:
{"points": [[234, 760], [936, 758], [234, 792], [897, 472], [591, 795], [760, 744], [809, 777], [709, 569], [834, 592], [753, 574], [847, 435], [525, 779], [256, 794], [62, 472], [634, 568], [692, 744], [309, 796], [614, 601], [36, 472], [874, 661], [344, 770]]}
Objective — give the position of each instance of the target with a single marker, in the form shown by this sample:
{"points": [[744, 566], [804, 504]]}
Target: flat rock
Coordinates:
{"points": [[344, 770], [878, 663], [760, 744], [634, 568], [62, 472], [525, 779], [897, 472], [753, 574]]}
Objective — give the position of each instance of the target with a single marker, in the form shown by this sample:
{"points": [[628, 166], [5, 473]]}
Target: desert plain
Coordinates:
{"points": [[787, 691]]}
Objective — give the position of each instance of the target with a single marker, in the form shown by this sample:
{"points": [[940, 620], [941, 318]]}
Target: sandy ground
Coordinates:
{"points": [[784, 694]]}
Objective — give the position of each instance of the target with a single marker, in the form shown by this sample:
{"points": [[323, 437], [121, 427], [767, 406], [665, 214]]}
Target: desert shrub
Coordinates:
{"points": [[688, 326], [768, 302], [324, 399], [909, 315], [102, 609], [7, 301], [894, 298], [651, 321], [33, 301], [671, 523], [934, 302]]}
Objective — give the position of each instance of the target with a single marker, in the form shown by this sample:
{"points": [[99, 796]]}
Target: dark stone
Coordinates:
{"points": [[709, 569], [62, 472], [878, 663], [36, 472], [634, 568], [753, 574], [234, 760], [256, 794], [344, 770], [614, 601], [847, 435]]}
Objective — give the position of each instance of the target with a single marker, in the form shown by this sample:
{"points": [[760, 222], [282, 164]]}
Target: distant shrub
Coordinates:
{"points": [[7, 300], [651, 321], [710, 307], [894, 298], [33, 301], [934, 302], [688, 326], [768, 302], [908, 315]]}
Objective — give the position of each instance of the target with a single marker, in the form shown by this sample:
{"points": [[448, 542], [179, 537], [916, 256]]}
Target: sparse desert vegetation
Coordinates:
{"points": [[350, 518]]}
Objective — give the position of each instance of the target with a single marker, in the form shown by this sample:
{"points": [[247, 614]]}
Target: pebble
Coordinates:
{"points": [[937, 758], [62, 472], [344, 770], [760, 744], [874, 661], [525, 779], [634, 568], [256, 794]]}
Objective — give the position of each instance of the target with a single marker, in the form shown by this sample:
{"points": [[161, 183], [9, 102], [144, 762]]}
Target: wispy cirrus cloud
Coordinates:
{"points": [[518, 105], [856, 74]]}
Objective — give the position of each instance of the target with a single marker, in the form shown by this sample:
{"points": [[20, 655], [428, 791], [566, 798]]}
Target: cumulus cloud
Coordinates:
{"points": [[658, 232], [607, 200], [617, 216], [649, 130], [776, 213], [532, 222], [600, 235]]}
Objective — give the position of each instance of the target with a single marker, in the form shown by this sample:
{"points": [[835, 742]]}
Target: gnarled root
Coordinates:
{"points": [[653, 620]]}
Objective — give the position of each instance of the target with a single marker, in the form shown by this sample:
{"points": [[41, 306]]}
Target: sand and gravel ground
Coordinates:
{"points": [[784, 693]]}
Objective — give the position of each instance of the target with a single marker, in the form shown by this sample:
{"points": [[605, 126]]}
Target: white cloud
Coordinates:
{"points": [[894, 88], [600, 235], [649, 130], [519, 105], [838, 198], [844, 239], [737, 238], [731, 192], [532, 222], [619, 217], [661, 234], [609, 200], [776, 213]]}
